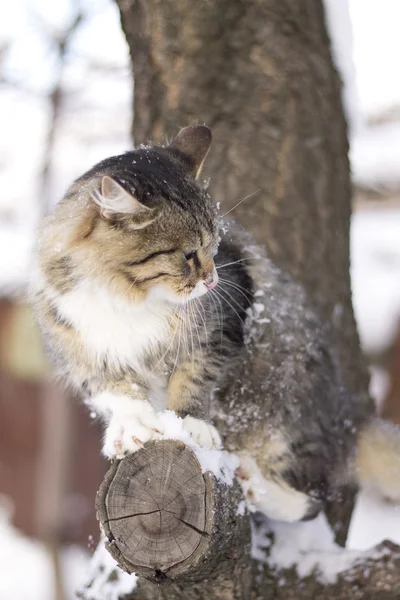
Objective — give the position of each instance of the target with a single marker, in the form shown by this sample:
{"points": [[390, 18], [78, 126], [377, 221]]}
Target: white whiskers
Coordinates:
{"points": [[227, 301], [235, 262], [238, 288], [240, 202]]}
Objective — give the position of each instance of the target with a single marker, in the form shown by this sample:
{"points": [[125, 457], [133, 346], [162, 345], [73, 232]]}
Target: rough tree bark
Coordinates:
{"points": [[260, 74]]}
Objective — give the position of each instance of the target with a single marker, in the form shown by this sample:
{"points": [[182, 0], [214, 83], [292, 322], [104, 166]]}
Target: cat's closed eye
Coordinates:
{"points": [[191, 255]]}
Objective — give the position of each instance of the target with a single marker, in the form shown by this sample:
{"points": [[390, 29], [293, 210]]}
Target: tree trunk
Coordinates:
{"points": [[260, 74]]}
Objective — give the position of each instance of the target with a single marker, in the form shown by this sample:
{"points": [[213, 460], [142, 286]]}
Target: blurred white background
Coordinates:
{"points": [[65, 103]]}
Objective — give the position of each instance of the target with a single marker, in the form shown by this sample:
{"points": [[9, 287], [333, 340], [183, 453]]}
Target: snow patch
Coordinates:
{"points": [[375, 157], [373, 520], [19, 554], [258, 309], [308, 546], [337, 15], [241, 509], [106, 581], [16, 244], [371, 88], [376, 51], [375, 275], [260, 539]]}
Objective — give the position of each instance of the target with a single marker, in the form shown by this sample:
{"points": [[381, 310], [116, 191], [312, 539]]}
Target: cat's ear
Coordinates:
{"points": [[112, 198], [194, 142]]}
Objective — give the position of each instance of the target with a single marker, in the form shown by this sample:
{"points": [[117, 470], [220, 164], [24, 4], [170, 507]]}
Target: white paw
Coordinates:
{"points": [[276, 499], [128, 432], [203, 433]]}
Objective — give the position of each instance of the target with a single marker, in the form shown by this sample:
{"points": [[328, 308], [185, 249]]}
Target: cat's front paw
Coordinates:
{"points": [[203, 433], [127, 433]]}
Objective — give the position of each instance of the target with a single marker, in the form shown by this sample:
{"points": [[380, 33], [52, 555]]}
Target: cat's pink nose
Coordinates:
{"points": [[211, 281]]}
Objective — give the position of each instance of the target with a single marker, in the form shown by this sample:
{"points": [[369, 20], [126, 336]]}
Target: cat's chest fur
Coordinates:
{"points": [[112, 328]]}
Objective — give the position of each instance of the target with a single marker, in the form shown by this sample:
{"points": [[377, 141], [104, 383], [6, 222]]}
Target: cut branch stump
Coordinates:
{"points": [[164, 518]]}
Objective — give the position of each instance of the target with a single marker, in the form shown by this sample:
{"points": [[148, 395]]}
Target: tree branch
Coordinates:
{"points": [[166, 520], [181, 529]]}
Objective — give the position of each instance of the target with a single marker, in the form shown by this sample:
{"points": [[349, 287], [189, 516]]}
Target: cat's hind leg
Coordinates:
{"points": [[272, 495]]}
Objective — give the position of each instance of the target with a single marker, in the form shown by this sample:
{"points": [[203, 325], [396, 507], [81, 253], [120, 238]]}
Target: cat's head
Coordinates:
{"points": [[151, 228]]}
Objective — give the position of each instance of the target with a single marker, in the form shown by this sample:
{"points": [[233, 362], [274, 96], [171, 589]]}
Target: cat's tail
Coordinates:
{"points": [[377, 460]]}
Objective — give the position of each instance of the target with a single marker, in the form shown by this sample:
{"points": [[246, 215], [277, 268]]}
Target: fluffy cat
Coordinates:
{"points": [[143, 307]]}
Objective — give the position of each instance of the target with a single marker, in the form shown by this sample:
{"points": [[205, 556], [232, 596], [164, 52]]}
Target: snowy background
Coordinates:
{"points": [[65, 103]]}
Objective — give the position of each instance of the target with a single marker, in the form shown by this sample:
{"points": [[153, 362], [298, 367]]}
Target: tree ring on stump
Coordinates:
{"points": [[156, 509]]}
